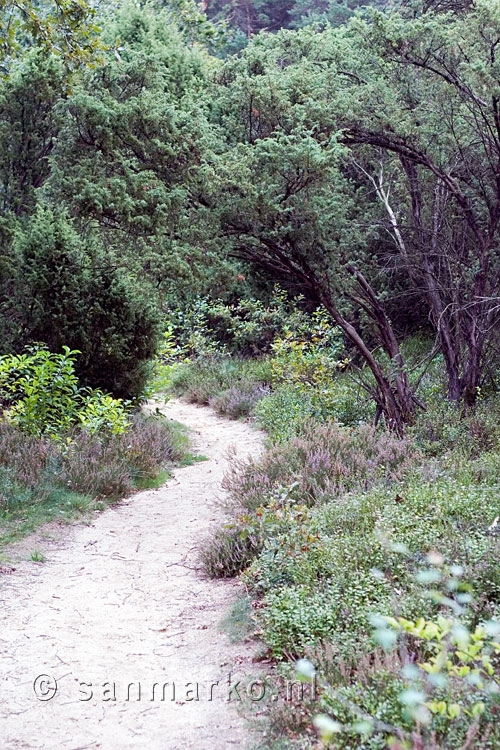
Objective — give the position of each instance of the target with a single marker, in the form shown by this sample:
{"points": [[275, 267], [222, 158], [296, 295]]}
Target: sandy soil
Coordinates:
{"points": [[120, 603]]}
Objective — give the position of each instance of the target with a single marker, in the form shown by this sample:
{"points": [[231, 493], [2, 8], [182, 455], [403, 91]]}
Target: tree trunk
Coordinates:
{"points": [[397, 405]]}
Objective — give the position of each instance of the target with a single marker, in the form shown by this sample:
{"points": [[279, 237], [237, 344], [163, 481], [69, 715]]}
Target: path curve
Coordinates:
{"points": [[121, 601]]}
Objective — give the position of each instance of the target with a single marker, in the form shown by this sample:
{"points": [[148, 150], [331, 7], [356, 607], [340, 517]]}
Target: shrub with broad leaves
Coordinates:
{"points": [[42, 396]]}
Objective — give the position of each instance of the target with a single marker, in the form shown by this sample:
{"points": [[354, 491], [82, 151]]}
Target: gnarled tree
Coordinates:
{"points": [[428, 104]]}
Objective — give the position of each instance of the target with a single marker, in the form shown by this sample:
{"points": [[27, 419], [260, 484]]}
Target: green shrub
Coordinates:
{"points": [[309, 356], [100, 412], [245, 328], [294, 618], [437, 686], [443, 427], [323, 577], [310, 364], [377, 695], [283, 413], [344, 549], [305, 369], [43, 396], [79, 297]]}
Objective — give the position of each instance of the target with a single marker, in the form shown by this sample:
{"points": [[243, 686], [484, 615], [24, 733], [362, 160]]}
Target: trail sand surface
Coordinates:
{"points": [[120, 603]]}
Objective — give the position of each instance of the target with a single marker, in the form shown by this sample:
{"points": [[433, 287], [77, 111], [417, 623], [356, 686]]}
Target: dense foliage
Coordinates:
{"points": [[67, 28], [354, 164]]}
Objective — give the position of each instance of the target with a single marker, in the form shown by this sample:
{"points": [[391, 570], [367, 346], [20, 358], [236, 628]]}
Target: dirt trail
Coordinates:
{"points": [[122, 600]]}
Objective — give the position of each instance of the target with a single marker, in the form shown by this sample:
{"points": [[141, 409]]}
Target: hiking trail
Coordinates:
{"points": [[122, 602]]}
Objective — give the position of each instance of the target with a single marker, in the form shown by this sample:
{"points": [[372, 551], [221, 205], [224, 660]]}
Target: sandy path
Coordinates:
{"points": [[121, 601]]}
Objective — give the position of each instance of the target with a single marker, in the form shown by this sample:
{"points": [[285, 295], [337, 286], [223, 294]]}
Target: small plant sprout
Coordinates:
{"points": [[37, 556]]}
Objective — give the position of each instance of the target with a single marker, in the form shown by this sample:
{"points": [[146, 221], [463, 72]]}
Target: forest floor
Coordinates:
{"points": [[120, 604]]}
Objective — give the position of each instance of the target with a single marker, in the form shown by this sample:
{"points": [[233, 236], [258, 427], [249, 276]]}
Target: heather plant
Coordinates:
{"points": [[114, 467], [443, 428], [94, 466], [239, 400], [24, 455], [231, 549], [228, 551], [199, 381], [42, 479], [324, 459]]}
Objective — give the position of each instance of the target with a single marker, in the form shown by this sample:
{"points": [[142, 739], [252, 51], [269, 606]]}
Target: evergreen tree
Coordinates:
{"points": [[70, 294]]}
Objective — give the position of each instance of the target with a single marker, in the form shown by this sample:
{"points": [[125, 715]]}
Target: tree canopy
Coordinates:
{"points": [[66, 28], [357, 164]]}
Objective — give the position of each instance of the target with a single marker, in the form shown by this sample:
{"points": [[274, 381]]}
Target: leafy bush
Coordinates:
{"points": [[43, 396], [305, 369], [327, 576], [441, 688], [344, 550], [285, 410], [230, 550], [309, 355], [294, 618], [283, 413], [100, 412], [170, 359], [245, 328]]}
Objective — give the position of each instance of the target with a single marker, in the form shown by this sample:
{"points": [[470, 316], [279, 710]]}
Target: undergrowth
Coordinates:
{"points": [[337, 526], [44, 480]]}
